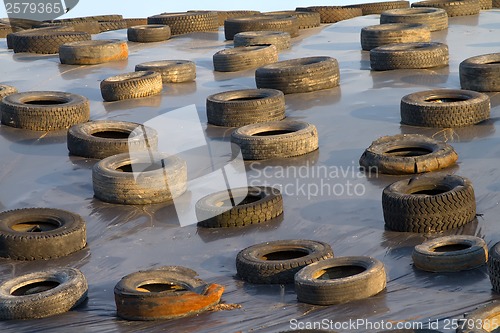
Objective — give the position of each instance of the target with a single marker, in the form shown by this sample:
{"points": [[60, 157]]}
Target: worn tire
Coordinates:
{"points": [[166, 180], [434, 18], [183, 23], [18, 301], [183, 295], [393, 33], [284, 23], [496, 3], [90, 27], [299, 75], [485, 4], [12, 36], [494, 267], [47, 41], [132, 22], [6, 90], [428, 203], [278, 261], [484, 319], [105, 25], [305, 20], [445, 108], [281, 40], [244, 57], [131, 85], [481, 73], [362, 277], [56, 110], [238, 108], [292, 138], [103, 138], [148, 33], [452, 7], [332, 14], [40, 233], [409, 56], [93, 52], [257, 205], [379, 7], [172, 71], [407, 154], [229, 14]]}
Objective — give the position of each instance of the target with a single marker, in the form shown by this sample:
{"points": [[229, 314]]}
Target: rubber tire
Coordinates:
{"points": [[12, 36], [251, 265], [238, 108], [486, 4], [105, 25], [452, 208], [268, 206], [6, 90], [148, 33], [426, 258], [305, 20], [183, 23], [452, 7], [90, 27], [496, 3], [81, 140], [244, 57], [229, 14], [172, 71], [71, 291], [67, 238], [481, 73], [131, 85], [379, 157], [333, 14], [379, 7], [132, 22], [73, 109], [483, 315], [494, 267], [93, 52], [46, 42], [393, 33], [409, 56], [284, 23], [149, 187], [301, 139], [435, 19], [299, 75], [472, 108], [5, 30], [358, 286], [281, 40]]}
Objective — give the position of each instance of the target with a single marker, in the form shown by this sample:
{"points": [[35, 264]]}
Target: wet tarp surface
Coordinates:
{"points": [[36, 171]]}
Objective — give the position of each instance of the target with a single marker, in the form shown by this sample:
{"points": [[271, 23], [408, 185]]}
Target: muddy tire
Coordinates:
{"points": [[428, 203], [55, 110], [275, 139], [278, 261], [494, 267], [444, 108], [452, 7], [183, 23], [52, 292], [102, 138], [281, 40], [409, 56], [332, 14], [407, 154], [305, 20], [46, 42], [393, 33], [284, 23], [299, 75], [172, 71], [243, 207], [348, 279], [164, 293], [481, 73], [131, 85], [245, 57], [434, 18], [93, 52], [450, 254], [238, 108], [148, 33], [40, 233], [6, 90], [379, 7], [112, 25], [139, 178]]}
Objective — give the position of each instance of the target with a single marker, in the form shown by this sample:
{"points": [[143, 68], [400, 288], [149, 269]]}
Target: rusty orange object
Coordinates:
{"points": [[164, 293], [93, 52]]}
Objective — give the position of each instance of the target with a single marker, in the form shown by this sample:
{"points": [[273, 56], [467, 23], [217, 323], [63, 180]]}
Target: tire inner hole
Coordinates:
{"points": [[160, 287], [285, 255], [42, 225], [446, 99], [112, 134], [339, 272], [431, 190], [45, 102], [409, 151], [492, 63], [273, 132], [250, 198], [34, 288], [141, 167], [451, 248]]}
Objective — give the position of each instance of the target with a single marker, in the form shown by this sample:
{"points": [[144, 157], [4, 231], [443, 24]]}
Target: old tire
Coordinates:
{"points": [[333, 14], [379, 7], [14, 35], [299, 75], [93, 52], [132, 22], [393, 33], [409, 56], [105, 25], [46, 42], [278, 261], [238, 108], [164, 293], [42, 294], [148, 33], [281, 40], [40, 233], [102, 138], [407, 154], [484, 319], [434, 18], [183, 23], [429, 203], [494, 267], [6, 90], [90, 27], [44, 110], [131, 85], [275, 139], [244, 206], [284, 23], [340, 280], [172, 71], [452, 7], [445, 108], [481, 73], [305, 20], [244, 57], [139, 178]]}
